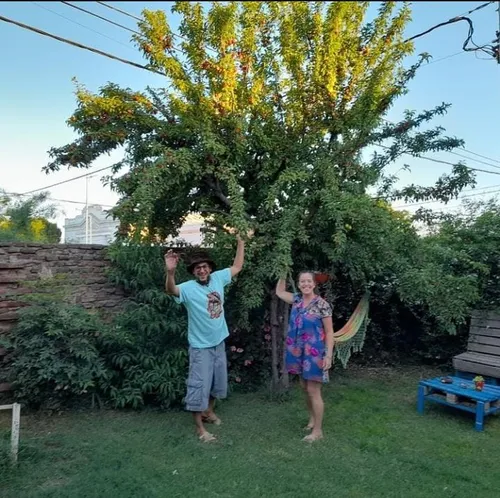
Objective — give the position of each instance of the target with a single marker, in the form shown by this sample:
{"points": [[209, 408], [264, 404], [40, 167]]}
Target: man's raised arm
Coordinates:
{"points": [[239, 258], [171, 260]]}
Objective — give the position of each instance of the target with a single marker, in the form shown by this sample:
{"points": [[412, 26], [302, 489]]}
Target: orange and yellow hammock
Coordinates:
{"points": [[351, 337]]}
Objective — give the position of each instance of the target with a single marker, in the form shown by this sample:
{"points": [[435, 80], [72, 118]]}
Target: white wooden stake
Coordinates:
{"points": [[16, 421]]}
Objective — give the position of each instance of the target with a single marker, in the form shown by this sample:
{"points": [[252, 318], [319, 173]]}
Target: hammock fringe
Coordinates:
{"points": [[351, 337]]}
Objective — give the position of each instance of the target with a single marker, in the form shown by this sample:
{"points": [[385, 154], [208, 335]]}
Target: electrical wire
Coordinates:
{"points": [[125, 13], [105, 19], [132, 16], [89, 12], [462, 149], [16, 194], [36, 30], [487, 48], [80, 24], [412, 204], [79, 45], [479, 155], [444, 58], [67, 181], [440, 161], [460, 17], [476, 160]]}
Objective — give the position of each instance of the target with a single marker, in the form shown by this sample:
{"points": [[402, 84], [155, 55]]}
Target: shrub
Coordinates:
{"points": [[56, 355]]}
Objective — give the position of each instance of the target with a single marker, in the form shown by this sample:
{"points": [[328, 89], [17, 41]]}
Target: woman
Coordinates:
{"points": [[309, 345]]}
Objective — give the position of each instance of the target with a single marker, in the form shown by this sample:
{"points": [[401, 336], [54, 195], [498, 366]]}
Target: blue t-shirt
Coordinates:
{"points": [[207, 326]]}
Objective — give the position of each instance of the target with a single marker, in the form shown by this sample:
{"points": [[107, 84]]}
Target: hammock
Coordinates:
{"points": [[351, 337]]}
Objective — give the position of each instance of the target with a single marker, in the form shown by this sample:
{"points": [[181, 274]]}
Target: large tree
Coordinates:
{"points": [[266, 111]]}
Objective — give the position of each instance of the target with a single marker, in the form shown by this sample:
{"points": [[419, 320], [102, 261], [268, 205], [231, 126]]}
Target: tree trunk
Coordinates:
{"points": [[284, 377], [275, 337]]}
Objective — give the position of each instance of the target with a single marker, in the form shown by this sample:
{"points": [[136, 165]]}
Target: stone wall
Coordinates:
{"points": [[84, 266]]}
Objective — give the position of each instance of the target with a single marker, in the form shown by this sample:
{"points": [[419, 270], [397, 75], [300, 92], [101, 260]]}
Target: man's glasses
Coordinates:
{"points": [[201, 267]]}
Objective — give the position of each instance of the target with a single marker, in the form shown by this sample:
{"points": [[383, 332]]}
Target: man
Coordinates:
{"points": [[207, 332]]}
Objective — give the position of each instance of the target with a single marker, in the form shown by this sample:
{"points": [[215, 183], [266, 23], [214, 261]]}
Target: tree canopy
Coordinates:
{"points": [[263, 122]]}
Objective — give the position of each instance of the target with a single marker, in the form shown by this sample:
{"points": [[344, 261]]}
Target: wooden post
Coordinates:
{"points": [[275, 336], [16, 423], [285, 381]]}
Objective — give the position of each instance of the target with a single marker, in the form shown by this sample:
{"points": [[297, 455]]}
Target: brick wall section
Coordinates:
{"points": [[84, 266]]}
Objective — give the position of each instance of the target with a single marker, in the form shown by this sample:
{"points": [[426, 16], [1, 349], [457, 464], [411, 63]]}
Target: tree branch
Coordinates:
{"points": [[218, 192]]}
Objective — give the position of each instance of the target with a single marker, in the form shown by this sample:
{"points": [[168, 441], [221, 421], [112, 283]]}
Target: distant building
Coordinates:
{"points": [[191, 230], [102, 228]]}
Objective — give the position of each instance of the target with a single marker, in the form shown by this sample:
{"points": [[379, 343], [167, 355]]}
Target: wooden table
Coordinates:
{"points": [[460, 394]]}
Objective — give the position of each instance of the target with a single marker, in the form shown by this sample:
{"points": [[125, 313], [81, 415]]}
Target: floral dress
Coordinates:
{"points": [[305, 342]]}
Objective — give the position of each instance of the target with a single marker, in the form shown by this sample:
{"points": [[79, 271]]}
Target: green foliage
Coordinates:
{"points": [[263, 123], [26, 220], [147, 353], [56, 355], [472, 243]]}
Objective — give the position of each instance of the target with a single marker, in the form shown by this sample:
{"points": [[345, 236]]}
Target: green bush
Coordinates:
{"points": [[145, 355], [56, 356]]}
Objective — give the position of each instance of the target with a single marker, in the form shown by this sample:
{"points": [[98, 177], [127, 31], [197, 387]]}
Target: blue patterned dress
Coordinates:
{"points": [[305, 342]]}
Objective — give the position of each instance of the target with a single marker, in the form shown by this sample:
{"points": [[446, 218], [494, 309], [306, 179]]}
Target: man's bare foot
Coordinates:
{"points": [[314, 436], [211, 418], [206, 437]]}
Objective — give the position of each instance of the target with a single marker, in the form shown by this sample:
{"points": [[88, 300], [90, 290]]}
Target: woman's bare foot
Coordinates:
{"points": [[314, 436]]}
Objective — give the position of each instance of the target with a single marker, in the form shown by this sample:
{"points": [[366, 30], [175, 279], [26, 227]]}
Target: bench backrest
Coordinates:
{"points": [[484, 333]]}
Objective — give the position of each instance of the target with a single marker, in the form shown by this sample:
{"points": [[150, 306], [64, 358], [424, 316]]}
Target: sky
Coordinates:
{"points": [[37, 91]]}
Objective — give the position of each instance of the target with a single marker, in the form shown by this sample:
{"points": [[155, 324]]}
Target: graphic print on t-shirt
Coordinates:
{"points": [[214, 305]]}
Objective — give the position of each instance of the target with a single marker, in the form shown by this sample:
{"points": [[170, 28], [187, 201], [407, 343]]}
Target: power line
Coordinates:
{"points": [[401, 206], [488, 49], [80, 24], [444, 58], [132, 16], [105, 19], [79, 45], [441, 161], [479, 155], [16, 194], [67, 181], [497, 187], [140, 66], [482, 6], [455, 19], [459, 148], [69, 4], [121, 11], [476, 160]]}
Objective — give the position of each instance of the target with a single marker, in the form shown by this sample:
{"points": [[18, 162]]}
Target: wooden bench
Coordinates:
{"points": [[483, 348]]}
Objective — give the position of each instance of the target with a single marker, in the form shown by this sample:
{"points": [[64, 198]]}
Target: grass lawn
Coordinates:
{"points": [[376, 445]]}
